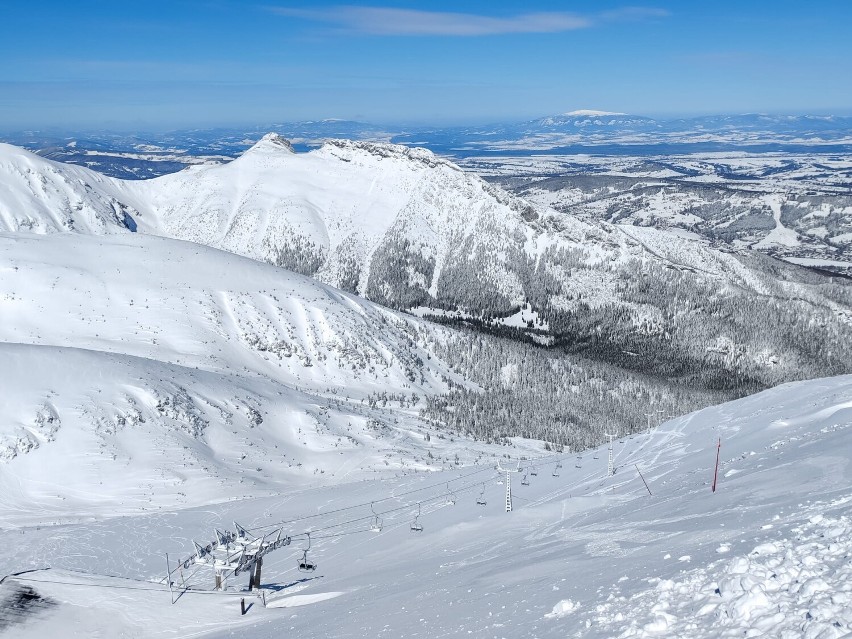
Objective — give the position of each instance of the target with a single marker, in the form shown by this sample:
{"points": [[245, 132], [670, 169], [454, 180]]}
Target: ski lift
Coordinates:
{"points": [[451, 496], [376, 525], [533, 472], [556, 469], [525, 481], [480, 501], [304, 564], [415, 525]]}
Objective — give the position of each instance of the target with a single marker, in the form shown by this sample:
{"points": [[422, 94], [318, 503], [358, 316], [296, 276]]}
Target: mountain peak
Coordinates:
{"points": [[591, 113], [387, 150], [272, 142]]}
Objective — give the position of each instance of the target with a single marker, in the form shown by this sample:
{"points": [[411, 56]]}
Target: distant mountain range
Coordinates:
{"points": [[142, 155]]}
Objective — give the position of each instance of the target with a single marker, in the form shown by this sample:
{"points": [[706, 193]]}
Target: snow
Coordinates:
{"points": [[581, 555], [563, 608], [780, 234], [181, 375], [817, 262], [797, 587], [591, 113]]}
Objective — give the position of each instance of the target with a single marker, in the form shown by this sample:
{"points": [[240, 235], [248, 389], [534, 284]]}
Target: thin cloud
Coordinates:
{"points": [[633, 14], [387, 21]]}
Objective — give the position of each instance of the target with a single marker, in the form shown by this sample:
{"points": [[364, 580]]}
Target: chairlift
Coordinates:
{"points": [[533, 472], [525, 481], [415, 525], [556, 469], [451, 496], [376, 524], [304, 564], [481, 499]]}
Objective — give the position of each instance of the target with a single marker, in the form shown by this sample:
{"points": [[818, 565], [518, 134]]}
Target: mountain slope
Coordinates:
{"points": [[581, 554], [345, 213], [412, 231], [194, 306], [171, 373], [41, 196]]}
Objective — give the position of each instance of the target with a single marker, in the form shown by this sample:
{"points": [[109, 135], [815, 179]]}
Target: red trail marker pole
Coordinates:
{"points": [[716, 472]]}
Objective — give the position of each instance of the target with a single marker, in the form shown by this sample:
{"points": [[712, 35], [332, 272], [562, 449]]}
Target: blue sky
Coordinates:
{"points": [[157, 64]]}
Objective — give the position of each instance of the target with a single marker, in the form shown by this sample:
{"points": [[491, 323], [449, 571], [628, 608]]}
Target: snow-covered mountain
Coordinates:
{"points": [[412, 231], [382, 220], [589, 120], [193, 373], [41, 196]]}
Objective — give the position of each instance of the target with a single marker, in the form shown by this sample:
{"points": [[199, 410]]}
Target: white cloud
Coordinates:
{"points": [[387, 21]]}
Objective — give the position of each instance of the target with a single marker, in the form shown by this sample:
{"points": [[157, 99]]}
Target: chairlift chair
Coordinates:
{"points": [[376, 524], [525, 481], [305, 565], [533, 472], [416, 525], [481, 499], [451, 497]]}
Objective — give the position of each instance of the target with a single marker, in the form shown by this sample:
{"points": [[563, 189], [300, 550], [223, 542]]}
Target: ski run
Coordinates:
{"points": [[580, 555]]}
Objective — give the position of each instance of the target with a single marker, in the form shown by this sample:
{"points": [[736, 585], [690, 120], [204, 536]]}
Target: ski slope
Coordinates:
{"points": [[581, 555]]}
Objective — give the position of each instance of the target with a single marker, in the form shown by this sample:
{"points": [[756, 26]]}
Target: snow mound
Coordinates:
{"points": [[563, 608], [798, 587], [272, 142]]}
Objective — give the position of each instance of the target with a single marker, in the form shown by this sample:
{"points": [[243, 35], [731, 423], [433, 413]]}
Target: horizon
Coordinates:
{"points": [[129, 128], [98, 65]]}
